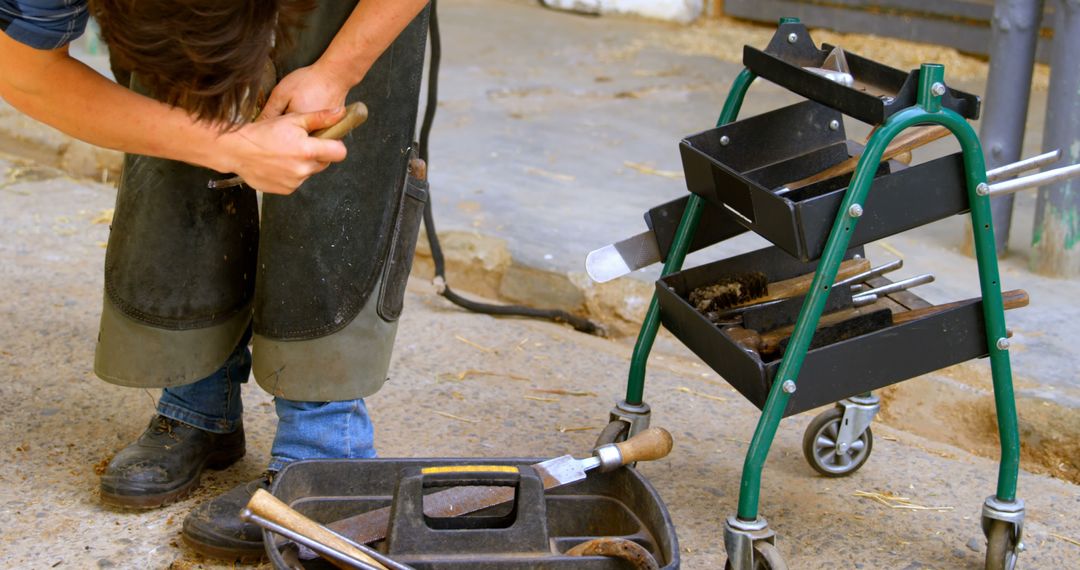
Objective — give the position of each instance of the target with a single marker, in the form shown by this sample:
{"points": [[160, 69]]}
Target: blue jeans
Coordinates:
{"points": [[306, 430]]}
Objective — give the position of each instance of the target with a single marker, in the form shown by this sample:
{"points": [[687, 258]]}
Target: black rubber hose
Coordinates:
{"points": [[559, 316]]}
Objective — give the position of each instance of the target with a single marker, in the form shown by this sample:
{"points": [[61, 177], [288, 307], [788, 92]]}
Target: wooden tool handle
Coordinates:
{"points": [[904, 142], [800, 285], [649, 445], [749, 339], [272, 509], [770, 341], [1010, 299], [355, 115]]}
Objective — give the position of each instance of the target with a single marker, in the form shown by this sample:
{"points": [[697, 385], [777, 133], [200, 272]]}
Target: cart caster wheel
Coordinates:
{"points": [[820, 449], [766, 557], [1001, 546], [617, 430]]}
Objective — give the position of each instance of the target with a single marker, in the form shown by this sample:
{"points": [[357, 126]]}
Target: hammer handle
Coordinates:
{"points": [[801, 284], [273, 509], [355, 115]]}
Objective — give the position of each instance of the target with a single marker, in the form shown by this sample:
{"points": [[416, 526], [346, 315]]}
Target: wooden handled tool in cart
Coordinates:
{"points": [[860, 316], [905, 142], [734, 292], [355, 115], [770, 342], [651, 444]]}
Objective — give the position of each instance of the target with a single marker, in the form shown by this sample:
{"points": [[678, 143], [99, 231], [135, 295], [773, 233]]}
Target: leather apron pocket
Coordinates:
{"points": [[402, 248]]}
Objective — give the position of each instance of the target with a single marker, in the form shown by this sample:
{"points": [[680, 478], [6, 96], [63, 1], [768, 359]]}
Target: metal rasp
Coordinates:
{"points": [[641, 250], [355, 115], [650, 444]]}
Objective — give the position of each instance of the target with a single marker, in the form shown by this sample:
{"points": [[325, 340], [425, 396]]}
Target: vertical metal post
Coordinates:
{"points": [[1056, 235], [1015, 33]]}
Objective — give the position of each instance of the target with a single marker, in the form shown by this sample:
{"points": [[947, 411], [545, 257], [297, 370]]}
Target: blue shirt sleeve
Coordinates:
{"points": [[43, 24]]}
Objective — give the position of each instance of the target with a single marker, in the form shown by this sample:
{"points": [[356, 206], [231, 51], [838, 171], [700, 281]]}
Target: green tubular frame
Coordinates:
{"points": [[635, 385], [927, 110]]}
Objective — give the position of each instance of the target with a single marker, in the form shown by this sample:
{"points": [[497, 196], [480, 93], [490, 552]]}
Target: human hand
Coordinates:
{"points": [[306, 89], [277, 155]]}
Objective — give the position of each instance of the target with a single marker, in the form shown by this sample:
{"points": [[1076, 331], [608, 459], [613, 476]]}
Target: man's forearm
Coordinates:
{"points": [[369, 30], [96, 110], [62, 92]]}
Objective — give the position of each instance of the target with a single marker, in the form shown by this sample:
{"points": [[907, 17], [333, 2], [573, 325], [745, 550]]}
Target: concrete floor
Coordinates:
{"points": [[539, 116]]}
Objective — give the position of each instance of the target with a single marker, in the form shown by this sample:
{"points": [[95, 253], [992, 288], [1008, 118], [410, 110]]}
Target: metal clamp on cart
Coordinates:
{"points": [[810, 321]]}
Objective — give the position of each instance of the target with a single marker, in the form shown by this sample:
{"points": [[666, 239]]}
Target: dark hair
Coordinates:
{"points": [[208, 57]]}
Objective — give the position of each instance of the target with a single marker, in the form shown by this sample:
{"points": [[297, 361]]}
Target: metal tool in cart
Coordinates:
{"points": [[732, 174]]}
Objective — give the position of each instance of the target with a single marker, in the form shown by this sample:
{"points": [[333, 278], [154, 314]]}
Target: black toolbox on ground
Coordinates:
{"points": [[545, 525]]}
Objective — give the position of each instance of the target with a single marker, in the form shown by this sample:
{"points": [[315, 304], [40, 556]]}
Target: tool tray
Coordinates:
{"points": [[832, 372], [741, 176], [878, 92], [541, 529]]}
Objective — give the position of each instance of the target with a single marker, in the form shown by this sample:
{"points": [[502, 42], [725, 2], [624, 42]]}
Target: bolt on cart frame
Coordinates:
{"points": [[748, 540]]}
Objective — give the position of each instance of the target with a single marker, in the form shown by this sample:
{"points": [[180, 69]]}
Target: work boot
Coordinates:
{"points": [[164, 464], [215, 528]]}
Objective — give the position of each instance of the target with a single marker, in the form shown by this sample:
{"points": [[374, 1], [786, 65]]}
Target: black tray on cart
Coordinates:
{"points": [[879, 91], [829, 373], [617, 504], [732, 168]]}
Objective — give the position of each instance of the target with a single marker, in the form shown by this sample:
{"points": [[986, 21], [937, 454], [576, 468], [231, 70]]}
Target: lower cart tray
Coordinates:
{"points": [[831, 372], [617, 504]]}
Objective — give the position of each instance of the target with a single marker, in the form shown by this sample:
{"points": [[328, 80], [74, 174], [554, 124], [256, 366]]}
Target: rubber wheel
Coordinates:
{"points": [[819, 446], [1000, 547], [766, 557], [615, 431]]}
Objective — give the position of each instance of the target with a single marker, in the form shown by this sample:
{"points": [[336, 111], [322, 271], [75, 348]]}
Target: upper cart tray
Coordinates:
{"points": [[741, 167], [877, 91]]}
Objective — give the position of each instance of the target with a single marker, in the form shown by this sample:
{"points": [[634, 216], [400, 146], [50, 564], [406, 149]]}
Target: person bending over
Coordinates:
{"points": [[194, 275]]}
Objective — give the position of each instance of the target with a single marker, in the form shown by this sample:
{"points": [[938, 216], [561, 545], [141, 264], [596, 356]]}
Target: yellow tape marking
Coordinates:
{"points": [[470, 469]]}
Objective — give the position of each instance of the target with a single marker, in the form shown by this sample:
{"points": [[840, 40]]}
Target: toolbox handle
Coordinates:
{"points": [[438, 529], [493, 480]]}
